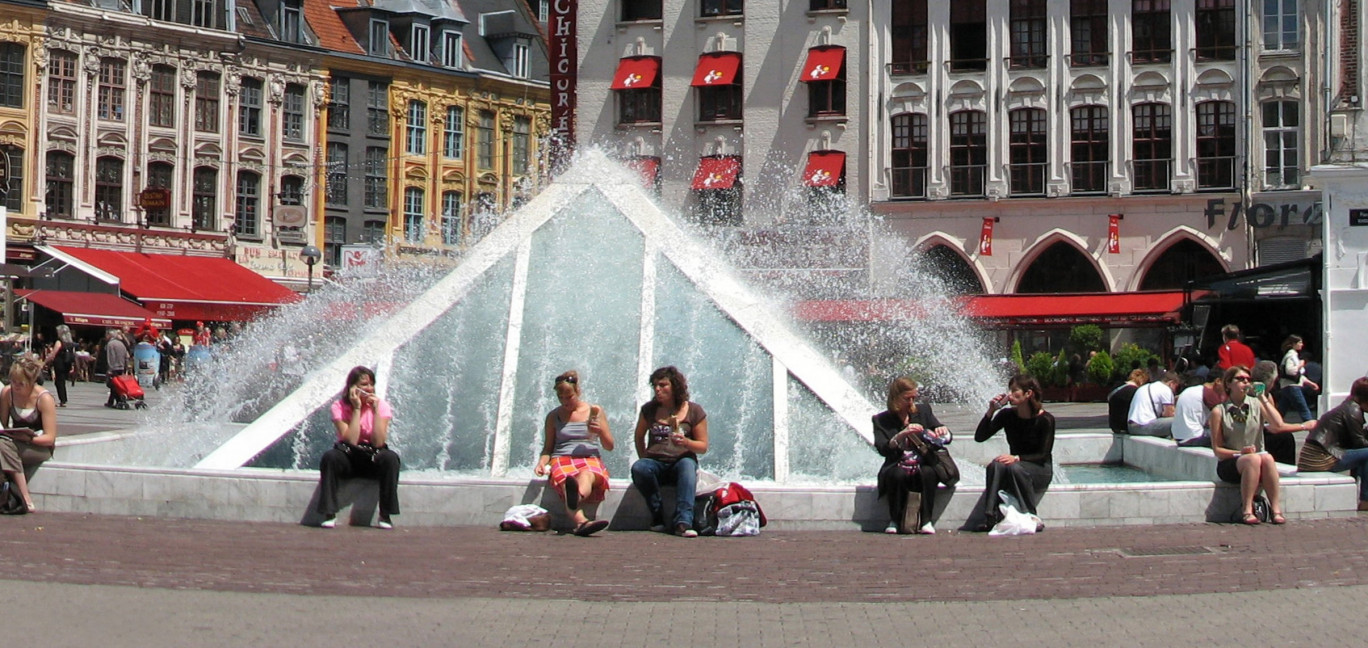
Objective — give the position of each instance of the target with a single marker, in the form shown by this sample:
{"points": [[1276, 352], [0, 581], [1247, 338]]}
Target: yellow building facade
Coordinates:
{"points": [[22, 61]]}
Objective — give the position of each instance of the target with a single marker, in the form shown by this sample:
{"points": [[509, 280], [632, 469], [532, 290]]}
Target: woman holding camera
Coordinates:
{"points": [[905, 468], [576, 432], [362, 449]]}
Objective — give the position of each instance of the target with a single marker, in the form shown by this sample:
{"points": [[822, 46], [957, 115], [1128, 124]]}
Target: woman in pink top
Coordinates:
{"points": [[362, 420]]}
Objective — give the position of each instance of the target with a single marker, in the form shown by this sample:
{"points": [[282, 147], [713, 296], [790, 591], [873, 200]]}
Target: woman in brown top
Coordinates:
{"points": [[1339, 443]]}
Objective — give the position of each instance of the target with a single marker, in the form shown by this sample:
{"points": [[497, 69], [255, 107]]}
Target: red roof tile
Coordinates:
{"points": [[327, 25]]}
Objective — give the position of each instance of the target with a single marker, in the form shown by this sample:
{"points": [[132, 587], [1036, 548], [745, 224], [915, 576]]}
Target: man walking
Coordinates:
{"points": [[116, 358]]}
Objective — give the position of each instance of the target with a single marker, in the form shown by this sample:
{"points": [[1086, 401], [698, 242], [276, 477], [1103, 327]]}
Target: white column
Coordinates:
{"points": [[498, 463]]}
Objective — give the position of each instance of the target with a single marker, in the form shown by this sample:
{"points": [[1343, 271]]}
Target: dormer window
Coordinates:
{"points": [[519, 66], [379, 37], [451, 49], [292, 21], [418, 45]]}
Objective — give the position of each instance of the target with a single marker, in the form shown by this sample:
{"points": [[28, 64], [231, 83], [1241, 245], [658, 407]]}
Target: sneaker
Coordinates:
{"points": [[892, 528], [927, 529], [384, 523], [685, 532], [329, 523], [658, 523]]}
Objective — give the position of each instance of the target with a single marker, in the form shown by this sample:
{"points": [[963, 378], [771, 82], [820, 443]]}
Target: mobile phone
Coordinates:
{"points": [[1259, 388]]}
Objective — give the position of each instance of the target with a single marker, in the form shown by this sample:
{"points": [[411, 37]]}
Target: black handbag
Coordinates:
{"points": [[937, 459]]}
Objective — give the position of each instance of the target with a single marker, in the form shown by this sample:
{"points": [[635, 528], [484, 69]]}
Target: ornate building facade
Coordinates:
{"points": [[21, 56]]}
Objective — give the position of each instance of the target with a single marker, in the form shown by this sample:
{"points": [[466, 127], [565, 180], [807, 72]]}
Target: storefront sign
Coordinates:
{"points": [[154, 198], [1262, 214], [1358, 217], [360, 261], [564, 75]]}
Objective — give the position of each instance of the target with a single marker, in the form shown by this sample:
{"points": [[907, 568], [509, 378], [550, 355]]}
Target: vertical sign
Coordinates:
{"points": [[986, 237], [564, 71], [1114, 234]]}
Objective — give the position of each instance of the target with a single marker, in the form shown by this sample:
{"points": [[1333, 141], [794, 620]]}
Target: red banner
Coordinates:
{"points": [[1114, 234], [564, 77], [986, 237]]}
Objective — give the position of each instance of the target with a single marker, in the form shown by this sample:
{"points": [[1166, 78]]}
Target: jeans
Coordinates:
{"points": [[1293, 399], [1354, 461], [1160, 427], [649, 474]]}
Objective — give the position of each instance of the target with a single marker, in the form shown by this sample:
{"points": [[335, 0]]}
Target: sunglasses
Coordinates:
{"points": [[1241, 379], [567, 379]]}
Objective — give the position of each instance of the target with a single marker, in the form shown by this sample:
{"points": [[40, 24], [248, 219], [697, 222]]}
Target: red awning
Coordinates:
{"points": [[92, 309], [717, 69], [824, 168], [182, 287], [823, 63], [636, 72], [718, 172], [1107, 309], [648, 167]]}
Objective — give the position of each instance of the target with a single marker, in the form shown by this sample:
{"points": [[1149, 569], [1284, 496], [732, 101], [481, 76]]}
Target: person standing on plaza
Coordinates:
{"points": [[62, 358], [1233, 352], [576, 433], [116, 362], [1292, 379], [1340, 442], [671, 432], [362, 420], [1027, 468], [29, 416], [903, 471]]}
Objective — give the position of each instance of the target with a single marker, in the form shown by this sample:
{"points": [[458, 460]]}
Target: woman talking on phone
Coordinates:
{"points": [[29, 415], [362, 420], [576, 432]]}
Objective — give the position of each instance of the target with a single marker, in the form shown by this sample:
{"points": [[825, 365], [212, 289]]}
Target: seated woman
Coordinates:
{"points": [[1340, 442], [1237, 438], [670, 434], [1028, 467], [902, 471], [575, 433], [362, 449], [29, 415]]}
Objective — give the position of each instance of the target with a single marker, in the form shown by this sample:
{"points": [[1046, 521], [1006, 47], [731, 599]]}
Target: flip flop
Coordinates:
{"points": [[1251, 519], [1278, 518], [590, 527]]}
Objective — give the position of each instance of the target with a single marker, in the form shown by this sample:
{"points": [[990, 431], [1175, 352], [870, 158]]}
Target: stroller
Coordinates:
{"points": [[127, 392]]}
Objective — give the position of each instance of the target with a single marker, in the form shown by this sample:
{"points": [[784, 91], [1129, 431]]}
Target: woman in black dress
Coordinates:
{"points": [[903, 471], [1028, 467]]}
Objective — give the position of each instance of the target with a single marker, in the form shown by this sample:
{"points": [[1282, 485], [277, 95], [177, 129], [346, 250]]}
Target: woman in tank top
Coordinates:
{"points": [[576, 432], [29, 415]]}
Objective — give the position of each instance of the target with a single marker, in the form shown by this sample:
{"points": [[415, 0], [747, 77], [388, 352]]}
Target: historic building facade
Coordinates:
{"points": [[21, 52]]}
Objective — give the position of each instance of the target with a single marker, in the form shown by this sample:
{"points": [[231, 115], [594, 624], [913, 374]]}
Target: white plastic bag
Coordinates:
{"points": [[519, 518], [1014, 522]]}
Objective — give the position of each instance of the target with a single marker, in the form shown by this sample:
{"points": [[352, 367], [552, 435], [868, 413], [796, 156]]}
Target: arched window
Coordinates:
{"points": [[1180, 263], [1061, 268], [951, 270], [204, 200], [60, 182], [161, 175]]}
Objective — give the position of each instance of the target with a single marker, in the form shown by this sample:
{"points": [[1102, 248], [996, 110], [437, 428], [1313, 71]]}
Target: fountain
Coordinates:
{"points": [[590, 275]]}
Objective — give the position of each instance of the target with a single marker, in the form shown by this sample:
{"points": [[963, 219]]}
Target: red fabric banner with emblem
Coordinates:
{"points": [[986, 237], [1114, 234]]}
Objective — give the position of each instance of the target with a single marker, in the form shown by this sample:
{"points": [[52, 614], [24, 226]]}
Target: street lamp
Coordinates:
{"points": [[311, 255]]}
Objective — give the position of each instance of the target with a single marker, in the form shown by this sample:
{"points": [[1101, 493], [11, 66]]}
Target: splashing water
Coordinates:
{"points": [[586, 277]]}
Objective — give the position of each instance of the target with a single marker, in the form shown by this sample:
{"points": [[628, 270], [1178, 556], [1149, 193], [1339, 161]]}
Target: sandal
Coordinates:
{"points": [[1251, 519], [1277, 518], [590, 527]]}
